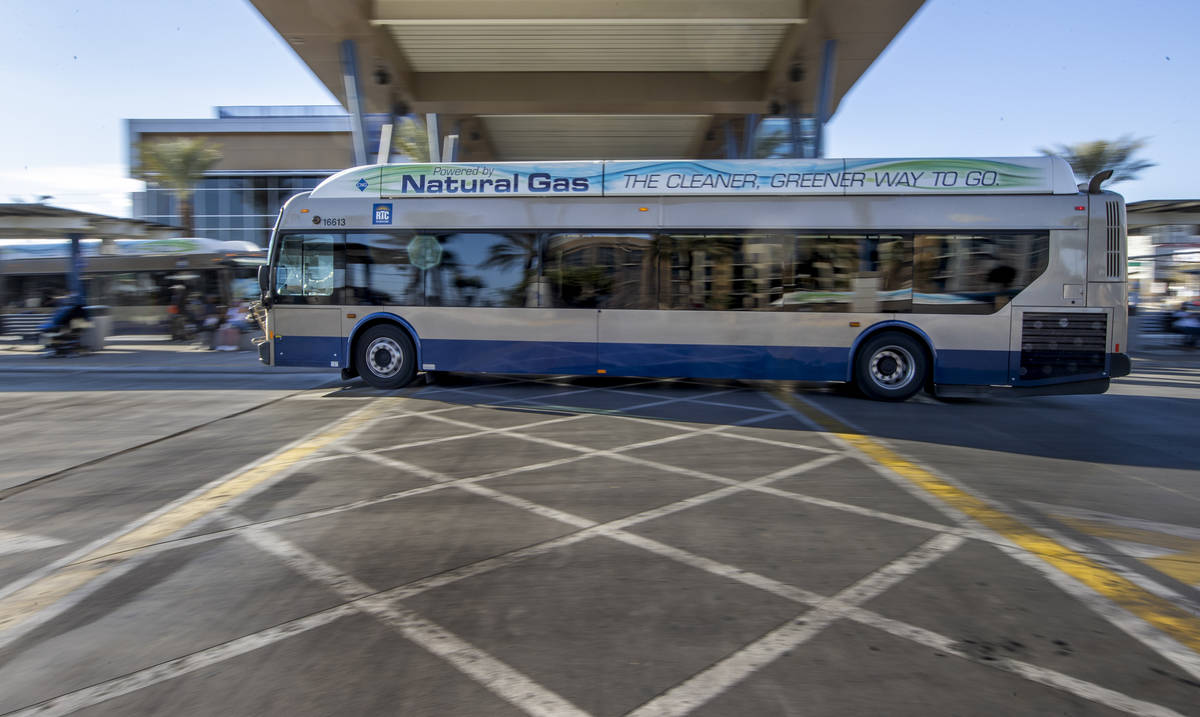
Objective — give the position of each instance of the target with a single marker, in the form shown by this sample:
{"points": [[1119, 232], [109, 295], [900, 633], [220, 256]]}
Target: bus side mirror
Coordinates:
{"points": [[264, 279]]}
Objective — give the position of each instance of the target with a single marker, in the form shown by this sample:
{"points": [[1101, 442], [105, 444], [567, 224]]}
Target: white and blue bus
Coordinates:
{"points": [[960, 275]]}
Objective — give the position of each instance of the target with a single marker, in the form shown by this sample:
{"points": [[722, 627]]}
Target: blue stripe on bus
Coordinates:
{"points": [[810, 363], [573, 357], [958, 366], [806, 363], [323, 351]]}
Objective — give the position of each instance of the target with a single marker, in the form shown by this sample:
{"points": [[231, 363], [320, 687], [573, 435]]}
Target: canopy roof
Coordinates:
{"points": [[589, 78]]}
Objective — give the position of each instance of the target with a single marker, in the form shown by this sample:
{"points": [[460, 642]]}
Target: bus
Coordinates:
{"points": [[138, 279], [961, 276]]}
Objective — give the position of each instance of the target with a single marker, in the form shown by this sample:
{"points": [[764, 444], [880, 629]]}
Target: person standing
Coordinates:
{"points": [[1187, 323]]}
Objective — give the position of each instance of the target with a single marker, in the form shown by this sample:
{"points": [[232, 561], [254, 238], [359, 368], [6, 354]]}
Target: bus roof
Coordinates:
{"points": [[736, 177]]}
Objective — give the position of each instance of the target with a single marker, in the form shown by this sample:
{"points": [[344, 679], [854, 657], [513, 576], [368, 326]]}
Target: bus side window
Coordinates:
{"points": [[287, 272], [308, 270]]}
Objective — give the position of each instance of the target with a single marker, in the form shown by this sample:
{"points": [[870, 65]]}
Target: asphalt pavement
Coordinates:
{"points": [[210, 540]]}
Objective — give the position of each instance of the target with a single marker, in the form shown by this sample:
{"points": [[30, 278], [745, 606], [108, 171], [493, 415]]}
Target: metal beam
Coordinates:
{"points": [[525, 10], [485, 93], [731, 140], [434, 137], [590, 22], [749, 135]]}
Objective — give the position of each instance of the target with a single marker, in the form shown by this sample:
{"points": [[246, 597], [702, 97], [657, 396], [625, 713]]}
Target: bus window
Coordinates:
{"points": [[484, 269], [379, 271], [976, 273], [306, 271], [600, 270], [847, 273]]}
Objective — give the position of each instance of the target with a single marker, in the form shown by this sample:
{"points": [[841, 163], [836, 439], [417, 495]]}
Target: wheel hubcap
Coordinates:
{"points": [[385, 357], [892, 367]]}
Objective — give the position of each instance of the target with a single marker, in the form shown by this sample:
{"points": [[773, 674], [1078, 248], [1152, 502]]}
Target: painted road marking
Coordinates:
{"points": [[498, 677], [1180, 625], [14, 542], [80, 699], [1172, 550], [710, 683], [486, 669], [45, 595]]}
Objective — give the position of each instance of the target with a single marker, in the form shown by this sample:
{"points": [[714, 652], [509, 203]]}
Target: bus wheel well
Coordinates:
{"points": [[351, 370], [920, 338]]}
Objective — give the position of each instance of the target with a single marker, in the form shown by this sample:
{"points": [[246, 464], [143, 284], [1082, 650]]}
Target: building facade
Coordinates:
{"points": [[268, 154]]}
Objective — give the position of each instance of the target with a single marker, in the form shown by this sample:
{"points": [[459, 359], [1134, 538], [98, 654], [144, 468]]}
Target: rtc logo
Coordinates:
{"points": [[382, 214]]}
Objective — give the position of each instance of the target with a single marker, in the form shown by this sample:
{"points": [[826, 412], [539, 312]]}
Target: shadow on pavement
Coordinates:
{"points": [[1114, 428]]}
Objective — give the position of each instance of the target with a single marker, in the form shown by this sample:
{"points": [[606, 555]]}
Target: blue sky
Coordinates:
{"points": [[966, 77]]}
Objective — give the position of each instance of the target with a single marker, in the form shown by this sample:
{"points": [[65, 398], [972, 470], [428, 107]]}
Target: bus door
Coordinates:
{"points": [[305, 325]]}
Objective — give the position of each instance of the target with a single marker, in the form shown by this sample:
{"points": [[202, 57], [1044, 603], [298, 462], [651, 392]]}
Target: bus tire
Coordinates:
{"points": [[890, 366], [386, 357]]}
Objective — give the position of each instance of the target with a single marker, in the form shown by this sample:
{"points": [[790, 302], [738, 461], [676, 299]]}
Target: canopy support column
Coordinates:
{"points": [[824, 94], [75, 270], [354, 101]]}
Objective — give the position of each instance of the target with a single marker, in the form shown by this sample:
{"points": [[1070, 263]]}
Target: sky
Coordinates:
{"points": [[964, 78]]}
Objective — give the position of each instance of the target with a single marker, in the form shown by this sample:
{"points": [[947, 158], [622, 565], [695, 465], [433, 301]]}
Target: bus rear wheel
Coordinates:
{"points": [[386, 357], [890, 366]]}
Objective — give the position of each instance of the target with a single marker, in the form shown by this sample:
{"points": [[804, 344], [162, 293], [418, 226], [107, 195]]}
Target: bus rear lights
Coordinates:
{"points": [[1080, 208], [1118, 349]]}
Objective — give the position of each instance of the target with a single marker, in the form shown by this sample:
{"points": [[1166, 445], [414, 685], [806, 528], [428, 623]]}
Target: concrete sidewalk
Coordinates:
{"points": [[144, 353]]}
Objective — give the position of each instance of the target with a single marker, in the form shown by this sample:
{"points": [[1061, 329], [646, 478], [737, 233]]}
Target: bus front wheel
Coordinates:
{"points": [[890, 367], [386, 357]]}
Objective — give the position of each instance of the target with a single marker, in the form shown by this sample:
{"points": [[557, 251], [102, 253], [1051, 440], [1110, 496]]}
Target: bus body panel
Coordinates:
{"points": [[307, 336], [502, 340]]}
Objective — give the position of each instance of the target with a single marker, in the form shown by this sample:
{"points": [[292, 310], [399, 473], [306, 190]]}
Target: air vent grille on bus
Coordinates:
{"points": [[1054, 345], [1112, 253]]}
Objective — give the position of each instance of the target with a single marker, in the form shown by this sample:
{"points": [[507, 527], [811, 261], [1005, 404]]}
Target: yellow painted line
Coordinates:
{"points": [[24, 603], [1179, 624], [1183, 563]]}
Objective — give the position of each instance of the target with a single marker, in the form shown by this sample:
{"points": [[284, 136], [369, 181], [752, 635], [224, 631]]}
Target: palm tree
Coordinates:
{"points": [[514, 250], [411, 140], [1088, 159], [177, 164], [511, 250], [775, 143]]}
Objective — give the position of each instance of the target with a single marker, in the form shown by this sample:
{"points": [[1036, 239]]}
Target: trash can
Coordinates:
{"points": [[92, 338]]}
